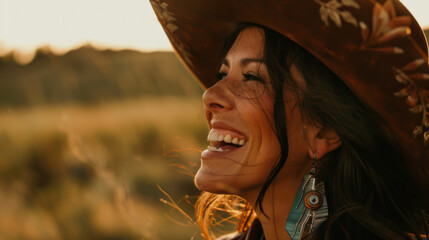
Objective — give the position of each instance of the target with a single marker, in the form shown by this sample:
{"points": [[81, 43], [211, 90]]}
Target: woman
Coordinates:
{"points": [[314, 142]]}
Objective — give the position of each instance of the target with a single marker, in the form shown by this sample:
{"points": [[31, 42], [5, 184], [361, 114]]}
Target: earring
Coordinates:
{"points": [[305, 218]]}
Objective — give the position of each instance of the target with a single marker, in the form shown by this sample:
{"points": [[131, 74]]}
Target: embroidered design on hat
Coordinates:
{"points": [[330, 10], [167, 20], [387, 27], [415, 97], [165, 17]]}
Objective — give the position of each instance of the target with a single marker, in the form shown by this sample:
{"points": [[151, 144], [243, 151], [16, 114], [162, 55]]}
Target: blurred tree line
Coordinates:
{"points": [[87, 75]]}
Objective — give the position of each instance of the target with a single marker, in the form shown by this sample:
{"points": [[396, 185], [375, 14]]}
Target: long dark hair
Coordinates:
{"points": [[370, 193]]}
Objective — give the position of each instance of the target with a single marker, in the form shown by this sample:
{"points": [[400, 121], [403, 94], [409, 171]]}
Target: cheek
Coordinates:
{"points": [[298, 144], [264, 147], [265, 150]]}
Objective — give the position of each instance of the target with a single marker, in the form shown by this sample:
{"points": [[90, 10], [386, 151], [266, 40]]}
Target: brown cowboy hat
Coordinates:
{"points": [[375, 46]]}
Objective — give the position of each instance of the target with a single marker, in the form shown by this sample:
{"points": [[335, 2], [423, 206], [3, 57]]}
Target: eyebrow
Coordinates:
{"points": [[245, 61]]}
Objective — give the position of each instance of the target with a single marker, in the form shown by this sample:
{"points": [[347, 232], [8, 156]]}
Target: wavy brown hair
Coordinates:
{"points": [[370, 193]]}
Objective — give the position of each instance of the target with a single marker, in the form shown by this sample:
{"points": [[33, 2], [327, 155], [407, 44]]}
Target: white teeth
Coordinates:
{"points": [[213, 136], [210, 148], [220, 138], [215, 149], [227, 138]]}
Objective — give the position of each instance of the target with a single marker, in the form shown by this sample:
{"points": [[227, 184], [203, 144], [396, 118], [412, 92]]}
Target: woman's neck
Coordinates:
{"points": [[278, 202]]}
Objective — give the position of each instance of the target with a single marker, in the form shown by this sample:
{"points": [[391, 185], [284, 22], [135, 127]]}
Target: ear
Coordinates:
{"points": [[322, 141]]}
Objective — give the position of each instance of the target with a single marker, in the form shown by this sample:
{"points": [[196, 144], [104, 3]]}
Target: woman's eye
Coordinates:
{"points": [[250, 77], [220, 75]]}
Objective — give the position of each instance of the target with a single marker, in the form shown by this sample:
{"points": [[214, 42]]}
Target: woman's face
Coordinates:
{"points": [[243, 147]]}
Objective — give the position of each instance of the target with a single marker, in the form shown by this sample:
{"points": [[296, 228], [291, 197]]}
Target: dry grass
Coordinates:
{"points": [[73, 172]]}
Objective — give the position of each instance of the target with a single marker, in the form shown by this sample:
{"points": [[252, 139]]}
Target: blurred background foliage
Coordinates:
{"points": [[91, 142], [87, 137], [87, 76]]}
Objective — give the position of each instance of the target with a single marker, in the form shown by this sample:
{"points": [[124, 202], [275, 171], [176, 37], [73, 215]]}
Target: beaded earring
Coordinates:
{"points": [[305, 218]]}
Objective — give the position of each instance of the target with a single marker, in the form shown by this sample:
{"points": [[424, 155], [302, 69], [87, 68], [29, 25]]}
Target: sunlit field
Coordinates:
{"points": [[96, 172]]}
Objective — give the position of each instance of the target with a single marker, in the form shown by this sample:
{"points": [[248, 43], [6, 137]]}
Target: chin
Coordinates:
{"points": [[212, 183]]}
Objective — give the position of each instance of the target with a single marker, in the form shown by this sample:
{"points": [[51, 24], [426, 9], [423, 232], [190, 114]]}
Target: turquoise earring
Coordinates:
{"points": [[310, 208]]}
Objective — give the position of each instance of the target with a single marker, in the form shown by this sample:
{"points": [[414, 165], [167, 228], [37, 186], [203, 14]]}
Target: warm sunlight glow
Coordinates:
{"points": [[64, 24]]}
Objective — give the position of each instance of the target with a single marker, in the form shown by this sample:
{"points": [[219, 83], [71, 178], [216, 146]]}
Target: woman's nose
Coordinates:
{"points": [[216, 98]]}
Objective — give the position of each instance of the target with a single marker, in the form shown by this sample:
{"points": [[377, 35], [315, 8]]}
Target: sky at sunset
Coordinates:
{"points": [[64, 24]]}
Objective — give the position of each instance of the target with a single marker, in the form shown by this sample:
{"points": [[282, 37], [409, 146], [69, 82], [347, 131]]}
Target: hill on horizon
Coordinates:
{"points": [[87, 75]]}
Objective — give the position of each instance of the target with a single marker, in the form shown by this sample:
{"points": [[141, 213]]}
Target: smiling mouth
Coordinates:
{"points": [[224, 141]]}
